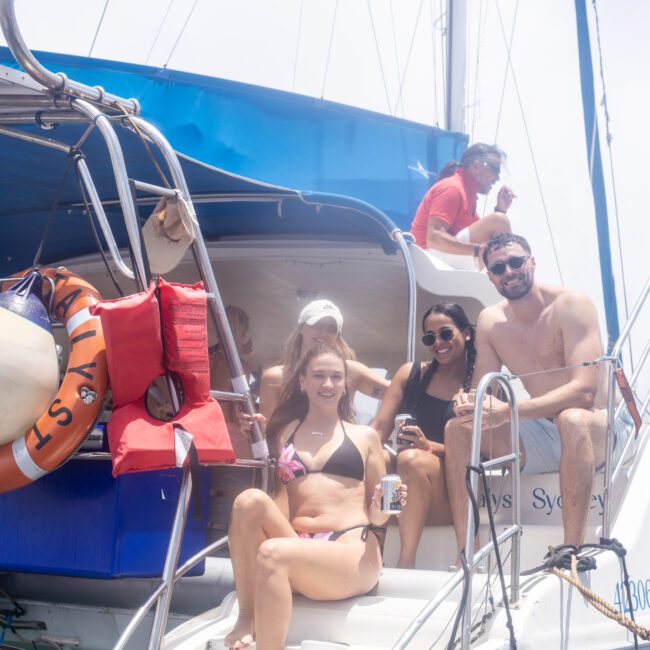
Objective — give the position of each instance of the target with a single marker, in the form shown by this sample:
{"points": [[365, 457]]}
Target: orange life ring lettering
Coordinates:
{"points": [[57, 434]]}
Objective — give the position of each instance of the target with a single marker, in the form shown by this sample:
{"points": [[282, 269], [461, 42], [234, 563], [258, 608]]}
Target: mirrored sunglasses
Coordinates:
{"points": [[445, 334], [514, 262]]}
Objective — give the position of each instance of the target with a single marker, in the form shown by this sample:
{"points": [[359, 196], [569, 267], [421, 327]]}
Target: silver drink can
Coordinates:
{"points": [[390, 501], [400, 420]]}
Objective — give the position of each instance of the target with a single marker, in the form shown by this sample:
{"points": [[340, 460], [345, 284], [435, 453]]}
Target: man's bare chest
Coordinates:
{"points": [[529, 348]]}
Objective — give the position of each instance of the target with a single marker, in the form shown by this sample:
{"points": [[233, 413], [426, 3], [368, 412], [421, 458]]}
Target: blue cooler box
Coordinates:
{"points": [[80, 521]]}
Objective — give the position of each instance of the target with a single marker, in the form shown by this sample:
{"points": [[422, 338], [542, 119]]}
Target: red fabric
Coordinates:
{"points": [[137, 337], [452, 200], [136, 356]]}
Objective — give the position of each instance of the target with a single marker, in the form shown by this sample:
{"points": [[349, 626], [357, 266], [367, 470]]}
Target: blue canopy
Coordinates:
{"points": [[280, 138]]}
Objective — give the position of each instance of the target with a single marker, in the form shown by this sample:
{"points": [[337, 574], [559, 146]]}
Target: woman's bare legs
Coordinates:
{"points": [[255, 518], [424, 474], [318, 569]]}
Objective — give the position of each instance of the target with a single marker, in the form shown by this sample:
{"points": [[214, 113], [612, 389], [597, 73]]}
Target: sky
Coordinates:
{"points": [[388, 56]]}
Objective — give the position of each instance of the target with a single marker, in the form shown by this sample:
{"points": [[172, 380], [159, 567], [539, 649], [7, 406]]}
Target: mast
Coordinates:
{"points": [[596, 172], [456, 65]]}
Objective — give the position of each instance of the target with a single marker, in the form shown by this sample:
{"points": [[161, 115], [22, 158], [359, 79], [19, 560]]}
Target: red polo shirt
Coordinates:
{"points": [[452, 200]]}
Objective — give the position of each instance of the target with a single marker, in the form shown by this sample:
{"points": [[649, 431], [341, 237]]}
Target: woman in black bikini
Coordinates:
{"points": [[425, 391], [325, 549]]}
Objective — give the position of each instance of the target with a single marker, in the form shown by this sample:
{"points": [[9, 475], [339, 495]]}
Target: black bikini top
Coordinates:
{"points": [[345, 461]]}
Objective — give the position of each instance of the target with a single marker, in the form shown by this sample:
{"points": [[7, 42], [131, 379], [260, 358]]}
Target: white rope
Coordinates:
{"points": [[329, 49], [528, 138], [381, 65], [99, 26], [180, 35], [162, 22]]}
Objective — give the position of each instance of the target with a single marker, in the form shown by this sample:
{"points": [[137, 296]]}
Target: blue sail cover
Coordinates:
{"points": [[278, 137]]}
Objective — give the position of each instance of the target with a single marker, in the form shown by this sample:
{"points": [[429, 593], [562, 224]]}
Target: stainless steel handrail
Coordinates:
{"points": [[259, 447], [611, 408], [55, 82], [122, 181], [447, 589], [96, 202], [513, 532]]}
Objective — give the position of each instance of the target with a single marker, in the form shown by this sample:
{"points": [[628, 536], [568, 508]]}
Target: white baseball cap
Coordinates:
{"points": [[168, 233], [319, 309]]}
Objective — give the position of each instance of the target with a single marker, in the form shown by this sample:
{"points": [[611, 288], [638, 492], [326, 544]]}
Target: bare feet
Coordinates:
{"points": [[243, 634]]}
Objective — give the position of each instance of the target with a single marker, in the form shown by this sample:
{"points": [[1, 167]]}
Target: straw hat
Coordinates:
{"points": [[168, 233]]}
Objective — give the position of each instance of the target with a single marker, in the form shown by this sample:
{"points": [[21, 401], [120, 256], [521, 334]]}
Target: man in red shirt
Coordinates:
{"points": [[446, 219]]}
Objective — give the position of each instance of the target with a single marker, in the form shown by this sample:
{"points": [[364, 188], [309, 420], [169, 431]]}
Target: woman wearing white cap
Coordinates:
{"points": [[319, 323]]}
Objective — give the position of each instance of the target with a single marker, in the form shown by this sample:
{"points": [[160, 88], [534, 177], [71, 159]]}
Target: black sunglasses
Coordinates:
{"points": [[495, 169], [514, 262], [445, 334]]}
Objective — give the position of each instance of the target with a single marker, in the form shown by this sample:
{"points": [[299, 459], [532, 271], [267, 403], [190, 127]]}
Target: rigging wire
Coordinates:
{"points": [[444, 32], [408, 56], [482, 10], [395, 49], [180, 35], [160, 28], [99, 26], [611, 165], [381, 65], [434, 60], [527, 132], [295, 58], [329, 49]]}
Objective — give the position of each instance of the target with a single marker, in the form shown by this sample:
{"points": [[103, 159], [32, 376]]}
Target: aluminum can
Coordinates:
{"points": [[390, 501], [403, 419]]}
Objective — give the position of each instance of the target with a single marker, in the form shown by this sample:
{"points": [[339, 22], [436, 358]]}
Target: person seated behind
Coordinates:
{"points": [[425, 391], [446, 220], [324, 548], [220, 374], [537, 327], [319, 322]]}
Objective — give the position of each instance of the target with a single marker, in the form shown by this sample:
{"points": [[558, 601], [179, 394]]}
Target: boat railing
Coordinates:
{"points": [[56, 82], [93, 106], [512, 532], [612, 474]]}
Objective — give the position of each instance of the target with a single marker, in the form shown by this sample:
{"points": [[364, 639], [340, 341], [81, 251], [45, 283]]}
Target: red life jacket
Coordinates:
{"points": [[162, 329]]}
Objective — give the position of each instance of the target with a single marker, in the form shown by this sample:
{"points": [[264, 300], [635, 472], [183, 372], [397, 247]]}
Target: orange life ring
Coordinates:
{"points": [[57, 434]]}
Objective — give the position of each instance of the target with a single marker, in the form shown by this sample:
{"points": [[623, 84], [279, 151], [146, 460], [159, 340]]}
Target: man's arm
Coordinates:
{"points": [[582, 342], [487, 359], [439, 239]]}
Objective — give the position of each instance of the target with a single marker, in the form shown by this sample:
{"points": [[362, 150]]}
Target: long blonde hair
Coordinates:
{"points": [[291, 357]]}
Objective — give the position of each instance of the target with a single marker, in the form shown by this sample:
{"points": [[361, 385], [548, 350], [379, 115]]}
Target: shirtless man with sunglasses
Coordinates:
{"points": [[537, 327]]}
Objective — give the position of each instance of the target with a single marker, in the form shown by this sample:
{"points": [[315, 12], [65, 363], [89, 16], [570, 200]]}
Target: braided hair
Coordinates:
{"points": [[458, 315]]}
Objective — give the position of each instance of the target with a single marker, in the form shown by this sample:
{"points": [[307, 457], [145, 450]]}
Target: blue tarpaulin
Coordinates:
{"points": [[272, 136]]}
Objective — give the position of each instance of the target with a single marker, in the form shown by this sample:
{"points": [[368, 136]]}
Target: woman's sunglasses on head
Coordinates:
{"points": [[445, 334], [514, 262]]}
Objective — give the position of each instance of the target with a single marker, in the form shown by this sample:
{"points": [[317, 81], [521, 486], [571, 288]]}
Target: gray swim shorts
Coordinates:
{"points": [[543, 446]]}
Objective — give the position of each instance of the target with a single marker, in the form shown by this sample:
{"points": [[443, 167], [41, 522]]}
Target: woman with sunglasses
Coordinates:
{"points": [[319, 323], [327, 547], [425, 391]]}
